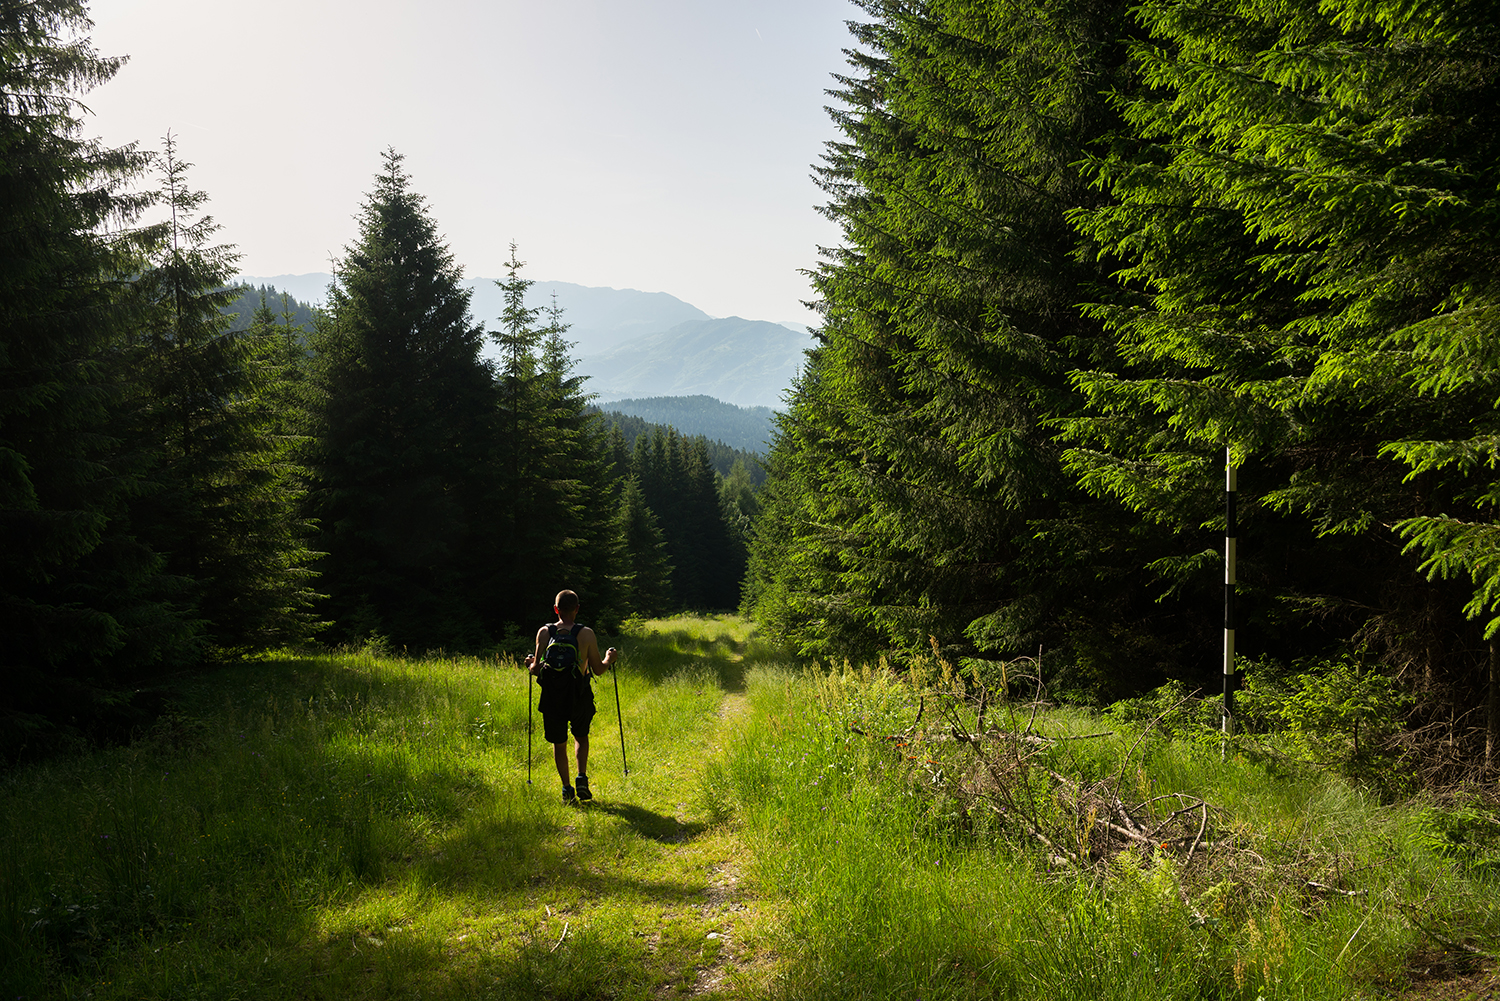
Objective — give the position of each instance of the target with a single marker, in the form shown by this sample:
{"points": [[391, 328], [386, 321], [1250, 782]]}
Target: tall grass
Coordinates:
{"points": [[899, 885], [359, 825], [356, 824]]}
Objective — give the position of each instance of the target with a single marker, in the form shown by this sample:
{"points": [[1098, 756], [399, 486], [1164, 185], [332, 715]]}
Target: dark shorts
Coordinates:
{"points": [[555, 725]]}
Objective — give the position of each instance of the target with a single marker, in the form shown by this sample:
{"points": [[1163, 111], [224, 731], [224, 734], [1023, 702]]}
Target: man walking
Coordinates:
{"points": [[564, 664]]}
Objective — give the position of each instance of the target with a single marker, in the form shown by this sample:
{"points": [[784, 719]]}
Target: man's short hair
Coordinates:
{"points": [[566, 602]]}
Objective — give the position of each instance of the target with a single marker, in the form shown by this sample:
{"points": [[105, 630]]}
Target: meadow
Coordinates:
{"points": [[360, 825]]}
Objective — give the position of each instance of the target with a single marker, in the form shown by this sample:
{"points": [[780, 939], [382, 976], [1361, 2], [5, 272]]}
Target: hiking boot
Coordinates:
{"points": [[582, 782], [568, 795]]}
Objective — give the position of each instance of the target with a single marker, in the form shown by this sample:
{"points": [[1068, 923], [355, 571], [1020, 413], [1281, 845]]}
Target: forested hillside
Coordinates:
{"points": [[288, 309], [1087, 250], [748, 429], [179, 486], [724, 458]]}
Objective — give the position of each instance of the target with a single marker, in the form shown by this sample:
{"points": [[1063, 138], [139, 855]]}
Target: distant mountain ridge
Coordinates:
{"points": [[634, 344], [745, 362], [748, 429], [599, 318]]}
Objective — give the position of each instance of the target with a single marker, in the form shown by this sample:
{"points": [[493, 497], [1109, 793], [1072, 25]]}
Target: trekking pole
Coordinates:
{"points": [[615, 674], [529, 679]]}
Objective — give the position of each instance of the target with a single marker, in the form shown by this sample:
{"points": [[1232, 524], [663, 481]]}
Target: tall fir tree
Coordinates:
{"points": [[84, 603], [223, 504], [536, 510], [648, 569], [586, 540], [916, 489], [403, 421], [1303, 220]]}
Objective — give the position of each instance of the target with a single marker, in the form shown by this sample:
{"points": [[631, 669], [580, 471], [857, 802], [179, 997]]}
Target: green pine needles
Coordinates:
{"points": [[1087, 250]]}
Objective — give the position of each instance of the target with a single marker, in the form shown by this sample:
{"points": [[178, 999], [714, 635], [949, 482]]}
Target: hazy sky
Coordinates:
{"points": [[662, 145]]}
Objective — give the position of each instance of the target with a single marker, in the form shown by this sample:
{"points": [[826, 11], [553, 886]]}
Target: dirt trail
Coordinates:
{"points": [[687, 892], [726, 906]]}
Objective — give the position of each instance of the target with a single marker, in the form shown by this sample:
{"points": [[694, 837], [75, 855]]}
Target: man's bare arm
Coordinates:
{"points": [[534, 660], [590, 651]]}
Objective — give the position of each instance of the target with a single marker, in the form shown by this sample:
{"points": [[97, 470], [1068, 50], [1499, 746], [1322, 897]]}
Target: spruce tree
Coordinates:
{"points": [[1302, 217], [84, 604], [918, 465], [721, 560], [586, 545], [403, 420], [223, 507], [648, 569]]}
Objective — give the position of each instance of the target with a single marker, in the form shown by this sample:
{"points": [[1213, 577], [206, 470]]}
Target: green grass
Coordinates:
{"points": [[359, 826], [902, 884]]}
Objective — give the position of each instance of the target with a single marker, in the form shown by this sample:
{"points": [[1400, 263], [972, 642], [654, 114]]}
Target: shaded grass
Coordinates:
{"points": [[360, 825]]}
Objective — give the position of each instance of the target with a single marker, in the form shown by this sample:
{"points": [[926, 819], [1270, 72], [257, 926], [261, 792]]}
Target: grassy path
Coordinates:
{"points": [[359, 827], [641, 893], [648, 855]]}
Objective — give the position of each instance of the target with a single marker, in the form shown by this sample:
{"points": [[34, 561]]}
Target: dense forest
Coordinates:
{"points": [[747, 429], [181, 485], [1089, 254], [290, 311], [1091, 249], [723, 457]]}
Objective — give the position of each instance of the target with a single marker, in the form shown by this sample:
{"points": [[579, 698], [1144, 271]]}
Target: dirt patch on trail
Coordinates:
{"points": [[730, 950], [1446, 976], [720, 908], [732, 708]]}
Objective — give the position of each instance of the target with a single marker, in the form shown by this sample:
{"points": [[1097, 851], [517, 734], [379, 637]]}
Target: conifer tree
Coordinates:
{"points": [[84, 605], [739, 503], [586, 545], [1303, 223], [617, 454], [918, 464], [403, 421], [648, 568], [721, 561], [224, 499]]}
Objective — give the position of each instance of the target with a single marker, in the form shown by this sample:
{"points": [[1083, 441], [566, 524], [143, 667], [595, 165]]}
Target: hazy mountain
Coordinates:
{"points": [[745, 428], [601, 318], [745, 362], [639, 344]]}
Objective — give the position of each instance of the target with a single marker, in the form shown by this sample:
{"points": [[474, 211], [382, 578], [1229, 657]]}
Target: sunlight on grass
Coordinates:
{"points": [[897, 886], [358, 825], [361, 825]]}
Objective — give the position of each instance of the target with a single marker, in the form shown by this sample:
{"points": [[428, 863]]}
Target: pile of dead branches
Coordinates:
{"points": [[1029, 786]]}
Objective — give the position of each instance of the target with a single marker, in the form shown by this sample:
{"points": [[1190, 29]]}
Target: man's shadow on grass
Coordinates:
{"points": [[651, 825]]}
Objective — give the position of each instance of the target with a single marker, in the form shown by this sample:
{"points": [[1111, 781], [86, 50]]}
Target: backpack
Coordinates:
{"points": [[561, 656]]}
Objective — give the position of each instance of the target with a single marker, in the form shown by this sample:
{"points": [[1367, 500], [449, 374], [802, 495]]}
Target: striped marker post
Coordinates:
{"points": [[1231, 530]]}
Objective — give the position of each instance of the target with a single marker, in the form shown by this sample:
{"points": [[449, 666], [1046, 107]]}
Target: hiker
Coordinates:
{"points": [[564, 665]]}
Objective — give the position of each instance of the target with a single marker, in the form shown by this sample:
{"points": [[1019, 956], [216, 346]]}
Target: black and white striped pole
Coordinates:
{"points": [[1231, 530]]}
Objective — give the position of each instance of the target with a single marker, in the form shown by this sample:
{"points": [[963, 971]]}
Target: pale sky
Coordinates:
{"points": [[661, 145]]}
